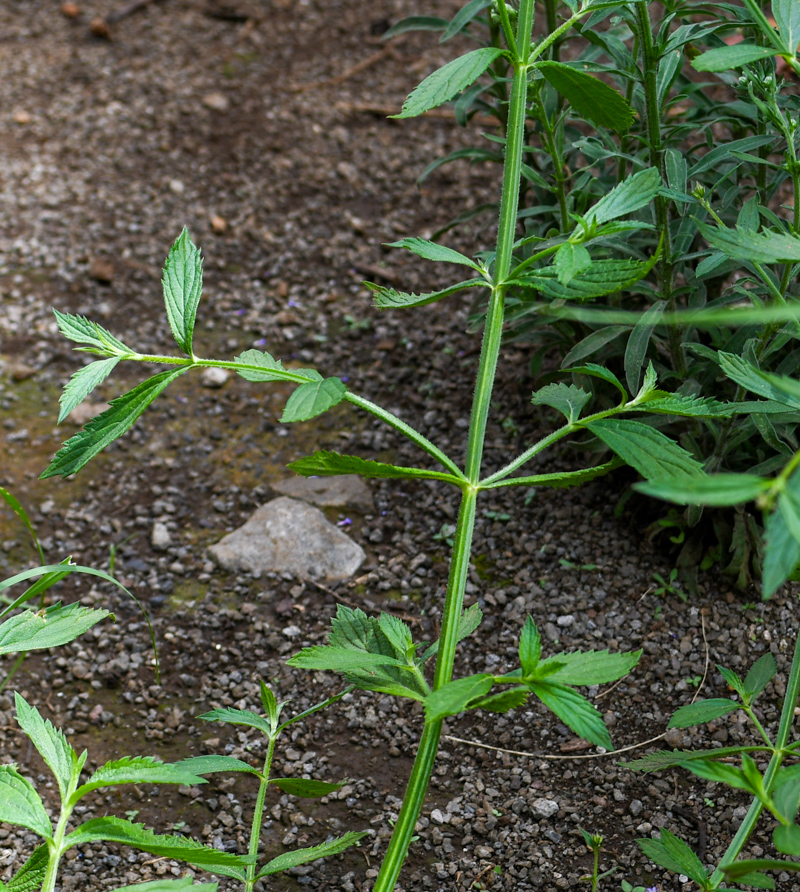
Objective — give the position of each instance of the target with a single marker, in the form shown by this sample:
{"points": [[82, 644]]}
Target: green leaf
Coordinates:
{"points": [[463, 17], [733, 680], [755, 247], [53, 747], [304, 856], [530, 647], [30, 876], [787, 18], [739, 869], [724, 58], [701, 712], [137, 770], [677, 758], [269, 702], [574, 710], [170, 885], [632, 194], [718, 490], [773, 387], [720, 773], [787, 797], [469, 621], [671, 852], [312, 399], [511, 698], [663, 403], [567, 399], [84, 331], [232, 716], [57, 625], [216, 764], [455, 696], [415, 23], [83, 382], [558, 480], [569, 261], [592, 667], [429, 250], [645, 449], [391, 299], [638, 342], [306, 789], [332, 464], [597, 371], [13, 503], [108, 426], [760, 674], [271, 369], [603, 277], [20, 803], [590, 97], [183, 283], [323, 658], [592, 344], [787, 839], [782, 547], [448, 81]]}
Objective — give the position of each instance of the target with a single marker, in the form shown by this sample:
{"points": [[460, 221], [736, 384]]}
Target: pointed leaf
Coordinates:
{"points": [[756, 247], [138, 770], [567, 399], [787, 18], [632, 194], [53, 747], [720, 773], [701, 712], [448, 81], [391, 299], [470, 619], [592, 667], [740, 869], [429, 250], [774, 387], [760, 674], [455, 696], [14, 504], [559, 480], [232, 716], [170, 885], [574, 710], [645, 449], [511, 698], [20, 803], [724, 58], [671, 852], [312, 399], [183, 283], [530, 647], [602, 278], [84, 331], [30, 876], [57, 625], [463, 17], [415, 23], [663, 403], [718, 490], [590, 97], [108, 426], [782, 548], [306, 789], [216, 764], [787, 797], [323, 658], [787, 839], [270, 704], [304, 856], [592, 344], [271, 369], [83, 382], [663, 759], [332, 464], [638, 342], [569, 261]]}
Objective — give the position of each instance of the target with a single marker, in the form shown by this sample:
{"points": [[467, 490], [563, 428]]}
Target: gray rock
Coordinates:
{"points": [[328, 492], [160, 538], [287, 536], [214, 378], [546, 808]]}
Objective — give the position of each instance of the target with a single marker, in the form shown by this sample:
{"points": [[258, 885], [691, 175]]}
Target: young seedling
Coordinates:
{"points": [[594, 843]]}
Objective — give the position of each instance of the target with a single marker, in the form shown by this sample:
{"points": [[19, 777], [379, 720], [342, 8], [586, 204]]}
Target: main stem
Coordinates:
{"points": [[258, 816], [462, 546]]}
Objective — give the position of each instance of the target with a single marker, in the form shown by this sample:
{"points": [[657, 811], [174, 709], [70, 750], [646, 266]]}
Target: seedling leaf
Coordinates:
{"points": [[306, 789], [271, 369], [590, 97], [511, 698], [32, 630], [664, 759], [646, 449], [81, 330], [312, 399], [304, 856], [638, 342], [456, 696], [83, 382], [15, 505], [630, 195], [232, 716], [724, 58], [429, 250], [574, 710], [332, 464], [602, 278], [390, 299], [760, 674], [755, 247], [183, 283], [569, 261], [53, 747], [701, 712], [559, 480], [782, 548], [170, 885], [671, 852], [719, 490], [567, 399], [774, 387], [138, 770], [739, 870], [787, 18], [216, 764], [323, 658], [20, 803], [530, 647], [470, 619], [591, 667]]}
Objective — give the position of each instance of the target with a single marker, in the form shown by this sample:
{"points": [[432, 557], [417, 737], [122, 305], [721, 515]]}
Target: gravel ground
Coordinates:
{"points": [[226, 119]]}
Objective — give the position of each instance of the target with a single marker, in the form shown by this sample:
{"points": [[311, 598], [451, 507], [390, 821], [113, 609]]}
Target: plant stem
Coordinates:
{"points": [[258, 815], [13, 670], [54, 848]]}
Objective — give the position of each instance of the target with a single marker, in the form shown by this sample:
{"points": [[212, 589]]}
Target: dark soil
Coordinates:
{"points": [[224, 118]]}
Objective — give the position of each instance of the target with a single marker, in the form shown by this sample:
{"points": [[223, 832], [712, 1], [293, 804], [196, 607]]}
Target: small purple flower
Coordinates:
{"points": [[344, 523]]}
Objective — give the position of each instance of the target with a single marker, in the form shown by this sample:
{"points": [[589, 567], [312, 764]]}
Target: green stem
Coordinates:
{"points": [[55, 849], [558, 164], [258, 816], [13, 670]]}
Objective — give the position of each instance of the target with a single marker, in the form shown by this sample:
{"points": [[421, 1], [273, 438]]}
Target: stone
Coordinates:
{"points": [[329, 492], [288, 536], [216, 101], [102, 270], [545, 808], [214, 378], [86, 412], [160, 538]]}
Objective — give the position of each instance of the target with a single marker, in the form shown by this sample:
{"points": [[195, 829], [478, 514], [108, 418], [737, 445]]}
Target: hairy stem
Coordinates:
{"points": [[258, 815]]}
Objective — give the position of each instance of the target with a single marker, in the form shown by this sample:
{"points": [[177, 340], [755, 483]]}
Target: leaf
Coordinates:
{"points": [[323, 658], [415, 23], [664, 759], [755, 247], [671, 852], [463, 17], [271, 369], [14, 504], [592, 667], [332, 464], [137, 770], [306, 789], [448, 81], [632, 194], [724, 58], [183, 283], [717, 490], [30, 876], [787, 797], [560, 479], [216, 764], [574, 710], [170, 885], [20, 803], [782, 547], [590, 97], [645, 449], [569, 261], [53, 747], [604, 277], [312, 399], [269, 702], [597, 371], [720, 773], [568, 399], [231, 716], [701, 712], [304, 856], [787, 839], [638, 342], [83, 331], [530, 647], [108, 426], [57, 625], [511, 698], [469, 621], [429, 250], [787, 18], [663, 403], [592, 344], [774, 387], [738, 870], [455, 696], [760, 674], [83, 382], [391, 299]]}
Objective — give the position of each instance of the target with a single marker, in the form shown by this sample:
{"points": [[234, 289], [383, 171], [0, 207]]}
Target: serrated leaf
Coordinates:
{"points": [[724, 58], [647, 450], [137, 770], [20, 803], [456, 695], [733, 680], [567, 399], [760, 674], [81, 330], [469, 621], [638, 342], [602, 278], [559, 480], [720, 773], [108, 426], [53, 747], [530, 647], [231, 716], [182, 284], [216, 764], [312, 399], [718, 490], [663, 403], [463, 17], [569, 261], [415, 23], [332, 464], [632, 194], [270, 703], [83, 382], [448, 81], [57, 625], [701, 712], [512, 698], [111, 829], [592, 344], [780, 388], [429, 250], [590, 97], [324, 658], [170, 885], [592, 667], [598, 371], [787, 18], [304, 856], [30, 876], [391, 299], [397, 634], [305, 789], [574, 710], [271, 369], [755, 247], [664, 759], [671, 852]]}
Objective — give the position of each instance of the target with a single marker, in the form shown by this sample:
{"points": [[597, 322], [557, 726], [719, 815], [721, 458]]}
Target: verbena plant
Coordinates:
{"points": [[712, 150]]}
